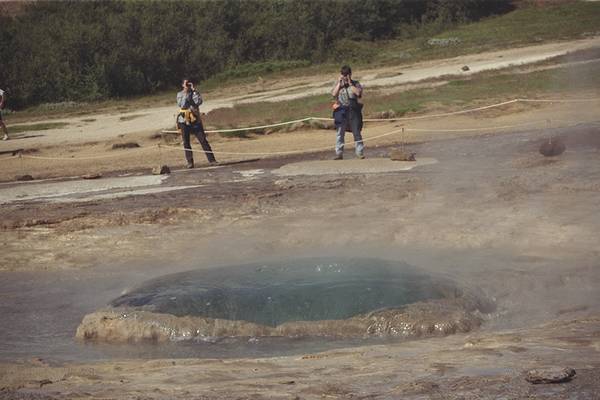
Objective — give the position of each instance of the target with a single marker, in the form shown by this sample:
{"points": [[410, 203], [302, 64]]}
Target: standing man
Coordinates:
{"points": [[347, 112], [2, 104], [188, 121]]}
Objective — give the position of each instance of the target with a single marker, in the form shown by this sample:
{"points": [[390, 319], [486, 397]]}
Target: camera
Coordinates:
{"points": [[345, 81], [189, 84]]}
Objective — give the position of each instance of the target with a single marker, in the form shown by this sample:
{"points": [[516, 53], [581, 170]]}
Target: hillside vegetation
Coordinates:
{"points": [[74, 50]]}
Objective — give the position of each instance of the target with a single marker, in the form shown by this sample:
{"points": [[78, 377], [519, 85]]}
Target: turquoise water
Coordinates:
{"points": [[41, 311], [298, 290]]}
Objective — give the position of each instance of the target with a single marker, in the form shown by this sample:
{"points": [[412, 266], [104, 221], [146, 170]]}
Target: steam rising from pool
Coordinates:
{"points": [[304, 297]]}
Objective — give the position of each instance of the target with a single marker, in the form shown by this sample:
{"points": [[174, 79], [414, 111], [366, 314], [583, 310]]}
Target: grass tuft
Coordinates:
{"points": [[37, 127]]}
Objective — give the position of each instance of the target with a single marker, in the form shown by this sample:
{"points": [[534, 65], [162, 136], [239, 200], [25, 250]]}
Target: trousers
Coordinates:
{"points": [[198, 131], [355, 122]]}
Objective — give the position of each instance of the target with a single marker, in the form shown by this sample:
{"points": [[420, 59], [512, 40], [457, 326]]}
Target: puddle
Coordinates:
{"points": [[350, 166], [87, 190], [251, 173]]}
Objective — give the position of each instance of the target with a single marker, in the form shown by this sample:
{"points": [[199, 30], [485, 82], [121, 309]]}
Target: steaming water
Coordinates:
{"points": [[41, 313], [298, 290]]}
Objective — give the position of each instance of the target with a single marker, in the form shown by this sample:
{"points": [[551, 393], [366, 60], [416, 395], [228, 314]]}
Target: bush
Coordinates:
{"points": [[74, 50]]}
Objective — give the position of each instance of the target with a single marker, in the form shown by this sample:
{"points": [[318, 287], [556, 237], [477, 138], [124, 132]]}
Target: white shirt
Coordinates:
{"points": [[1, 92]]}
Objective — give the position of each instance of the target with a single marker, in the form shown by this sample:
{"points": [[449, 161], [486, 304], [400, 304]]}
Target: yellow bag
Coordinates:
{"points": [[188, 116]]}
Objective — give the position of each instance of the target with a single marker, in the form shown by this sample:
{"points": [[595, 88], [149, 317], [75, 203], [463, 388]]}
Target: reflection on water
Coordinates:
{"points": [[298, 290]]}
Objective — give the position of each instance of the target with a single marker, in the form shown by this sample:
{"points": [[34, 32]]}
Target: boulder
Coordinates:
{"points": [[92, 176], [161, 170], [550, 375], [321, 124], [443, 42], [552, 147], [25, 177], [402, 155], [385, 114], [125, 145]]}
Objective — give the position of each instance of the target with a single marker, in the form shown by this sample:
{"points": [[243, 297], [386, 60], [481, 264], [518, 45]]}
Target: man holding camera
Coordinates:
{"points": [[2, 104], [347, 112], [188, 121]]}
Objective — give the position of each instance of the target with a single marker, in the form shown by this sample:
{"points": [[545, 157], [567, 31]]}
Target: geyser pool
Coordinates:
{"points": [[304, 297], [271, 294]]}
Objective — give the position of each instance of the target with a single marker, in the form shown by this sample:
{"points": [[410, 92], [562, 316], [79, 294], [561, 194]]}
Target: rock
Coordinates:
{"points": [[40, 362], [552, 147], [550, 375], [385, 114], [296, 126], [435, 318], [28, 151], [25, 177], [466, 68], [161, 170], [125, 145], [443, 42], [321, 124], [401, 155], [92, 176], [45, 382]]}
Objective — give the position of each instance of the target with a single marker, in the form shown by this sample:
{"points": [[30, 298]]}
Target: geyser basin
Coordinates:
{"points": [[305, 297]]}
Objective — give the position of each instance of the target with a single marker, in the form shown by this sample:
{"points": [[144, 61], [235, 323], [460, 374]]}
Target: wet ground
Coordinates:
{"points": [[492, 213]]}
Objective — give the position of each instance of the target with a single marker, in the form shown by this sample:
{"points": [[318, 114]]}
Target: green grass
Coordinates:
{"points": [[268, 113], [524, 26], [72, 109], [527, 25], [36, 127], [247, 73], [483, 88], [490, 87]]}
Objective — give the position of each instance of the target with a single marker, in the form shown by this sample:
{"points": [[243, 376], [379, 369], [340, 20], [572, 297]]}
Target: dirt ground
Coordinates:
{"points": [[490, 212]]}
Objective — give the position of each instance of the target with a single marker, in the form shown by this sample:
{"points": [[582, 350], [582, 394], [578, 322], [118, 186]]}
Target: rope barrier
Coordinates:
{"points": [[310, 150], [177, 148], [559, 100], [404, 129], [249, 129], [446, 114]]}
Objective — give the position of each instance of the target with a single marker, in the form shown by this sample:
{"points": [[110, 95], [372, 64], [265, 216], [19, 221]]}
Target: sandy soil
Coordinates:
{"points": [[98, 157], [491, 212], [475, 367]]}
